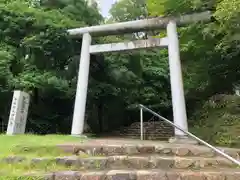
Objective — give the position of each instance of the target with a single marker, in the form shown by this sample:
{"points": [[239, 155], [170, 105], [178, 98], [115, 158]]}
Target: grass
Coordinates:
{"points": [[26, 168], [32, 146]]}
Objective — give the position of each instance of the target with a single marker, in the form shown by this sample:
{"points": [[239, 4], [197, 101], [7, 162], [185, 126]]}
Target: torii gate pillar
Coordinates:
{"points": [[177, 92], [82, 86]]}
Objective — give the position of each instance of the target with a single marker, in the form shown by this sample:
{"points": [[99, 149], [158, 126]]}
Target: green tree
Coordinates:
{"points": [[209, 54], [145, 73], [208, 44], [35, 57], [75, 9], [127, 10]]}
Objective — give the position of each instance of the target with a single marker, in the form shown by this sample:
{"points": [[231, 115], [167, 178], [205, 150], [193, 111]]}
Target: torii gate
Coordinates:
{"points": [[171, 42]]}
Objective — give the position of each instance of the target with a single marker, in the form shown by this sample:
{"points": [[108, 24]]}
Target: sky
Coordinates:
{"points": [[105, 6]]}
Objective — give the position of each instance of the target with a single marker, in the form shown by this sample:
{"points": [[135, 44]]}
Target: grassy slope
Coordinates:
{"points": [[218, 121], [31, 146]]}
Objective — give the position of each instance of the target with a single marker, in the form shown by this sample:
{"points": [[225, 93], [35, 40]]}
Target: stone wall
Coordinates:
{"points": [[153, 130]]}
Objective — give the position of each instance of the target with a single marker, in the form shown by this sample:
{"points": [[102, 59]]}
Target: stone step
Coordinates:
{"points": [[111, 148], [141, 162], [146, 136], [222, 174], [132, 162]]}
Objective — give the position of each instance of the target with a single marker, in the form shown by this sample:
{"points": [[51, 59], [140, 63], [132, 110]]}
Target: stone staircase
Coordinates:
{"points": [[153, 130], [122, 159]]}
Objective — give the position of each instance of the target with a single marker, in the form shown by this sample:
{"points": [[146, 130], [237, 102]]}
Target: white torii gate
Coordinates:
{"points": [[171, 42]]}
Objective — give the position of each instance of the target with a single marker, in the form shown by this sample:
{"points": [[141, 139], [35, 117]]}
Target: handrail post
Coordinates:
{"points": [[141, 123]]}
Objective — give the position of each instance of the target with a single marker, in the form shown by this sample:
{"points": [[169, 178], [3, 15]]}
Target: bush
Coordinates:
{"points": [[219, 122]]}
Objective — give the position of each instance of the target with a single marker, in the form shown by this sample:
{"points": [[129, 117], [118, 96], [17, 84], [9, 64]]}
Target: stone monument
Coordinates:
{"points": [[18, 114]]}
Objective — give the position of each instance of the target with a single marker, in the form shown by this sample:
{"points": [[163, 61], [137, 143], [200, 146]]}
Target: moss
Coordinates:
{"points": [[218, 121]]}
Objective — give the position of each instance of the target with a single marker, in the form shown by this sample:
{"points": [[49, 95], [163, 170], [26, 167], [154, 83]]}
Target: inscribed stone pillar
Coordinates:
{"points": [[18, 114]]}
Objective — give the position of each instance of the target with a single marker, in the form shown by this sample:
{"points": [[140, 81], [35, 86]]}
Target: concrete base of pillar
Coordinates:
{"points": [[80, 136], [182, 140]]}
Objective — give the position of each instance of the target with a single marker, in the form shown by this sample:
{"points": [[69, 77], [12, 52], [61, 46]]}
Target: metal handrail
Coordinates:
{"points": [[142, 107]]}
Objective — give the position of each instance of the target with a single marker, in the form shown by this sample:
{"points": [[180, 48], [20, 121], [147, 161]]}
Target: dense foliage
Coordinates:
{"points": [[209, 54], [218, 120], [39, 57]]}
